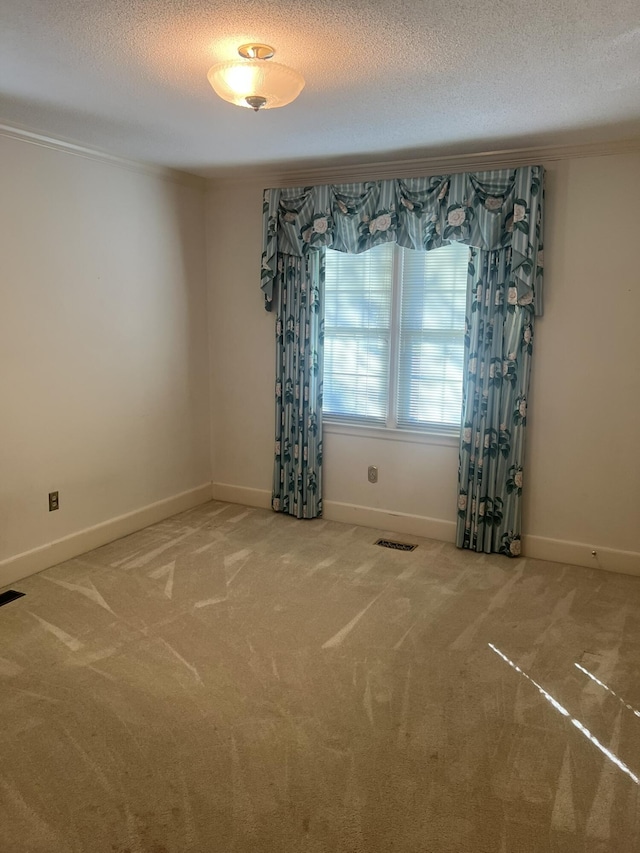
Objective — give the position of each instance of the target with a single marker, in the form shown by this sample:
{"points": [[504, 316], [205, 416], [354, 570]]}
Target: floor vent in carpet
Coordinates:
{"points": [[10, 595], [396, 546]]}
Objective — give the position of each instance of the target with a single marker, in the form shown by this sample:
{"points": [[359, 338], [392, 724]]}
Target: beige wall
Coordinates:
{"points": [[103, 343], [583, 462], [104, 375], [583, 471]]}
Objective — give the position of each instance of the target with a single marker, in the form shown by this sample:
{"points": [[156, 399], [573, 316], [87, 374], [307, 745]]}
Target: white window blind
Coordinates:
{"points": [[357, 334], [434, 287], [394, 327]]}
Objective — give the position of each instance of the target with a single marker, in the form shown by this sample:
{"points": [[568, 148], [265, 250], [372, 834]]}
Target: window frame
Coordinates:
{"points": [[446, 435]]}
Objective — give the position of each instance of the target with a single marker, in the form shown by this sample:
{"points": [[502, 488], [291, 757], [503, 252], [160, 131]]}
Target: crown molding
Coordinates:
{"points": [[318, 172], [274, 176], [175, 175]]}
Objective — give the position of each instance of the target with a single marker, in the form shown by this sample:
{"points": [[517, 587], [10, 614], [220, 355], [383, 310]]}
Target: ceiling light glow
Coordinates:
{"points": [[255, 81]]}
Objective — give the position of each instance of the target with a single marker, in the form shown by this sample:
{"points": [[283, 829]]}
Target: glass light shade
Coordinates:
{"points": [[240, 79]]}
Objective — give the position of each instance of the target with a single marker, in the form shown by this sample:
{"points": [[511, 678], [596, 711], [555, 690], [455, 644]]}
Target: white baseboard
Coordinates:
{"points": [[536, 547], [387, 520], [29, 562], [241, 495], [393, 522], [580, 554]]}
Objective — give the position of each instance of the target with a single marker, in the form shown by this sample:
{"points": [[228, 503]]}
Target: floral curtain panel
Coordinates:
{"points": [[499, 214], [498, 347], [297, 477]]}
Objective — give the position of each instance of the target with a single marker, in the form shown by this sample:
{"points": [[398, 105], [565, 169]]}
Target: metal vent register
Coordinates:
{"points": [[396, 546], [10, 595]]}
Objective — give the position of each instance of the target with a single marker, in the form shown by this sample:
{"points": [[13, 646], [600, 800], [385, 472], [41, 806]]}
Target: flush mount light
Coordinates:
{"points": [[255, 81]]}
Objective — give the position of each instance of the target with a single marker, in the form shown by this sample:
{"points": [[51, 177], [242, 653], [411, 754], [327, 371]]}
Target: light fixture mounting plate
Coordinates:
{"points": [[256, 51]]}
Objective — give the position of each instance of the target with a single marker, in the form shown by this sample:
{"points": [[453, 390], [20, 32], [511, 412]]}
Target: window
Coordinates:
{"points": [[394, 337]]}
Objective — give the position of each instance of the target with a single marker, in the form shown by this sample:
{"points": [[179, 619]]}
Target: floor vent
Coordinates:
{"points": [[396, 546], [10, 595]]}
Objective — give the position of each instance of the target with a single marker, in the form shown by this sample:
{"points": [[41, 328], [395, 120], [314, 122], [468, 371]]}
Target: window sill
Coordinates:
{"points": [[403, 435]]}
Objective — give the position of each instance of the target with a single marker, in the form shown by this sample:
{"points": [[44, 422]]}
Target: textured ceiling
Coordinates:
{"points": [[383, 76]]}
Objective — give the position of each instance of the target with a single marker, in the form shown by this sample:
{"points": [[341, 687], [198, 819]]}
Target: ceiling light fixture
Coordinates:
{"points": [[254, 81]]}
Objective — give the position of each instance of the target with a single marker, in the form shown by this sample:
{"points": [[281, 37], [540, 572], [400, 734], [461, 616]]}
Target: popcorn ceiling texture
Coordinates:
{"points": [[129, 76]]}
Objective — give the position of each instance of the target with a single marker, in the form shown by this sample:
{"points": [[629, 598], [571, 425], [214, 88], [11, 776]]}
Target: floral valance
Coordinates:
{"points": [[487, 210]]}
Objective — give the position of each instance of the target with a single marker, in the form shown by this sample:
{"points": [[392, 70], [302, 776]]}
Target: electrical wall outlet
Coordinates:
{"points": [[54, 501], [372, 474]]}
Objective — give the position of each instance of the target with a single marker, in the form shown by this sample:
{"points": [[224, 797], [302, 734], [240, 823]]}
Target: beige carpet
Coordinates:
{"points": [[235, 680]]}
